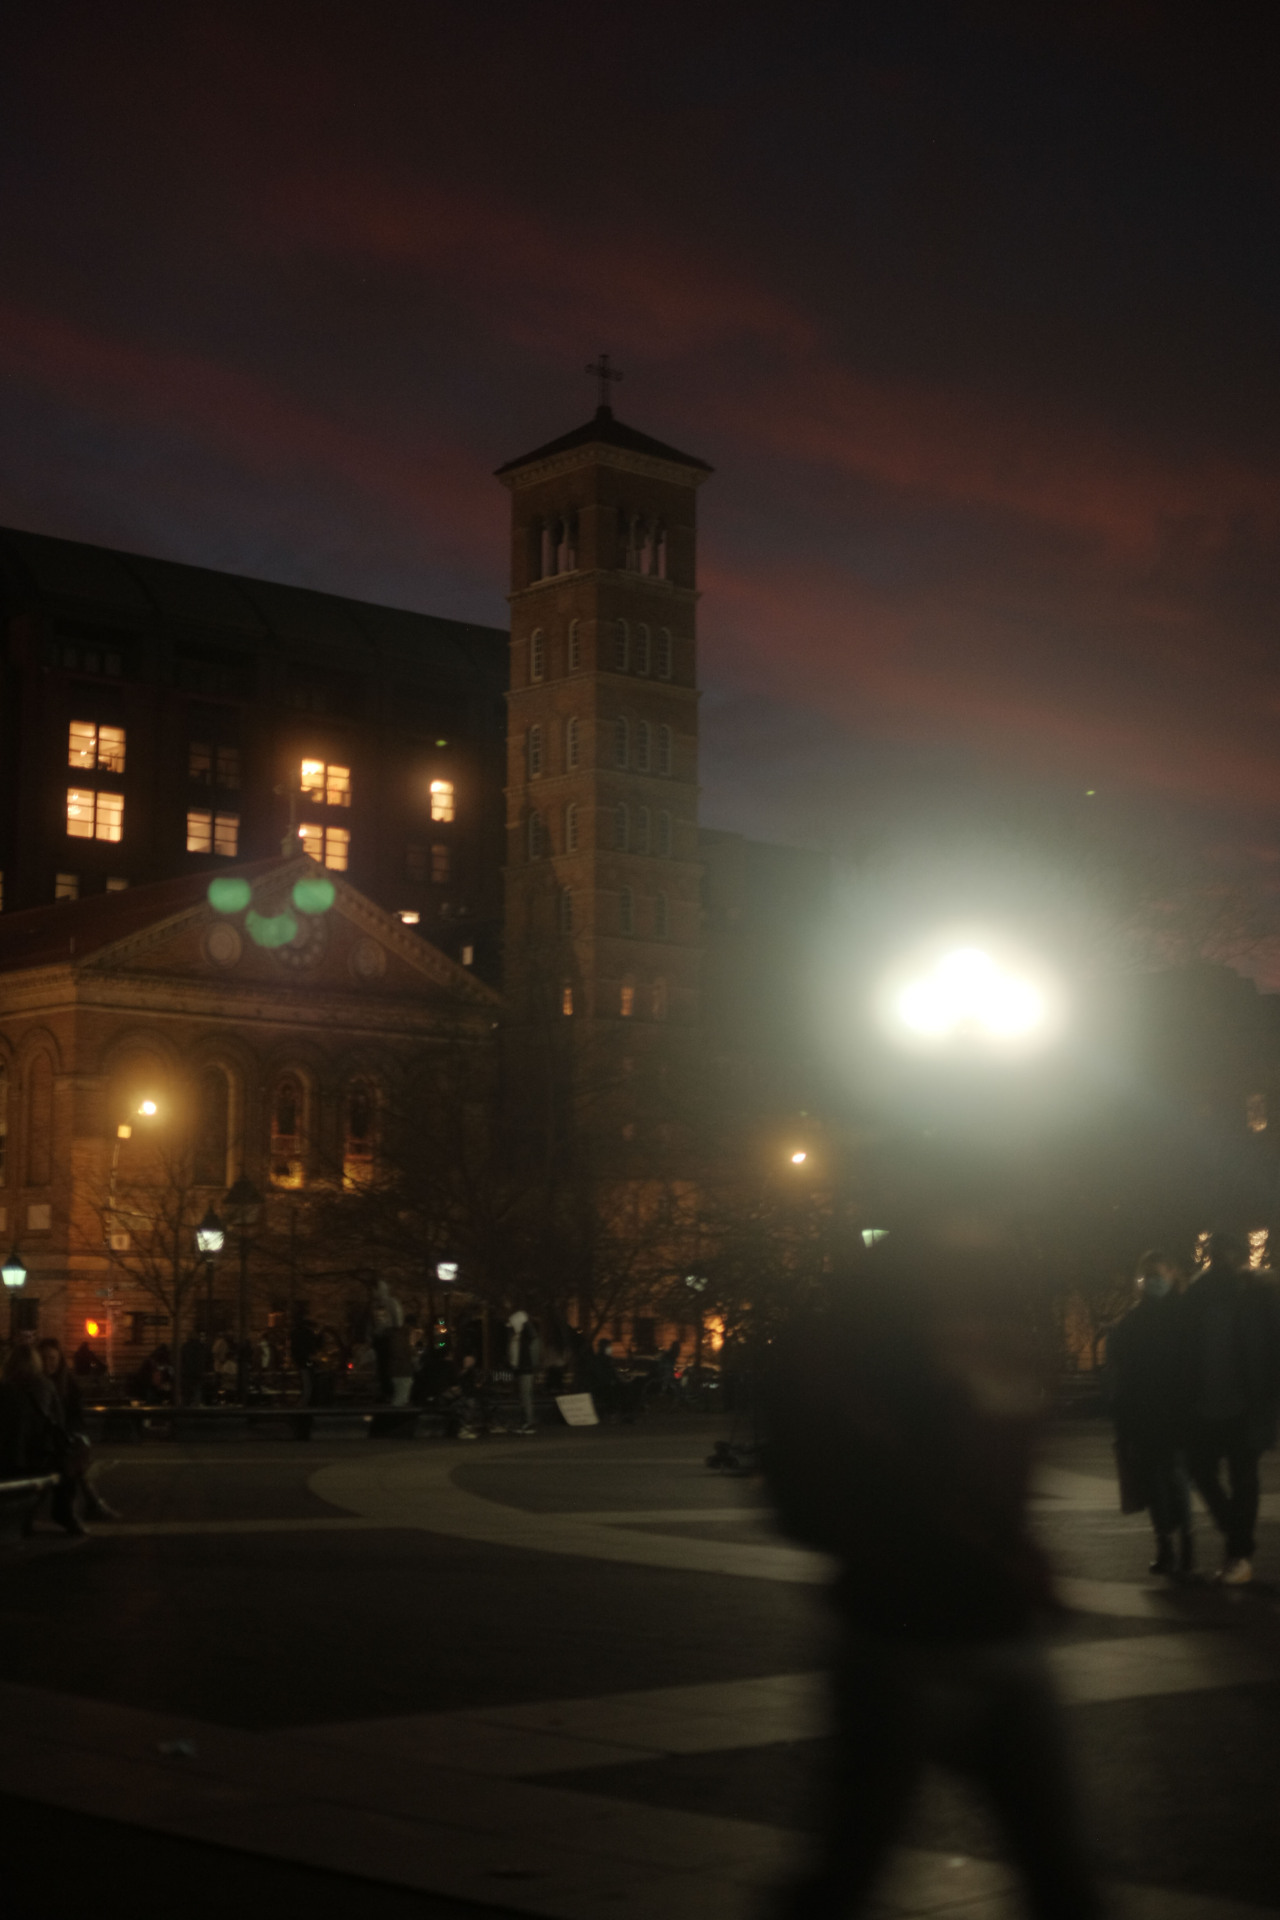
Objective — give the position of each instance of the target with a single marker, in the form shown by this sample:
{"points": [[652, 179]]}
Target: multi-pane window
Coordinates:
{"points": [[627, 999], [209, 832], [359, 1136], [661, 917], [441, 863], [442, 799], [621, 646], [535, 836], [642, 649], [664, 653], [575, 647], [66, 886], [571, 828], [642, 830], [330, 846], [621, 741], [210, 764], [566, 999], [326, 785], [95, 749], [415, 861], [537, 654], [642, 746], [664, 836], [535, 752], [626, 911], [94, 816], [621, 827], [572, 743], [664, 752]]}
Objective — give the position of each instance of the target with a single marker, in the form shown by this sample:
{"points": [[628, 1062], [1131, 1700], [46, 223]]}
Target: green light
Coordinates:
{"points": [[278, 931], [229, 896], [442, 743], [314, 894]]}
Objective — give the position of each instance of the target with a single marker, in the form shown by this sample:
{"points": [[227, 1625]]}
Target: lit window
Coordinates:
{"points": [[66, 886], [286, 1134], [95, 749], [627, 999], [117, 885], [621, 825], [642, 830], [410, 916], [661, 917], [1255, 1112], [468, 956], [571, 828], [441, 864], [329, 846], [621, 646], [664, 653], [566, 910], [575, 647], [535, 752], [537, 655], [664, 836], [358, 1145], [442, 799], [621, 737], [642, 746], [94, 816], [1258, 1238], [226, 834], [325, 785], [566, 998], [642, 649], [199, 832], [626, 911], [572, 743], [664, 752]]}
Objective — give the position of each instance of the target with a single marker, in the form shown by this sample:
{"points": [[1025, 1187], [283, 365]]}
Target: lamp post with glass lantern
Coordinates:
{"points": [[243, 1206], [209, 1241]]}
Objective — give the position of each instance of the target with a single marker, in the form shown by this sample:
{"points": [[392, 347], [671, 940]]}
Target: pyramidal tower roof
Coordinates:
{"points": [[605, 430]]}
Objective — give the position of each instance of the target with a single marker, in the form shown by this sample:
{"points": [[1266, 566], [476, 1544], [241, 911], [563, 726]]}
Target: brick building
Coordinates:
{"points": [[273, 1059]]}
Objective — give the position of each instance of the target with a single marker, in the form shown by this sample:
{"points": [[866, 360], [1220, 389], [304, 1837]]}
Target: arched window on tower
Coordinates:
{"points": [[535, 752], [664, 653], [575, 646], [359, 1135], [536, 841], [572, 742], [286, 1132], [39, 1121], [642, 648], [537, 654], [626, 910], [642, 746], [547, 550], [661, 917], [664, 836], [621, 741], [660, 551], [213, 1114], [664, 752], [566, 544], [642, 830], [566, 910], [621, 646], [621, 827], [571, 827]]}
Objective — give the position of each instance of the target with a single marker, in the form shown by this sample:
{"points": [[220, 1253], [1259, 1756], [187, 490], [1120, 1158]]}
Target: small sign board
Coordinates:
{"points": [[578, 1409]]}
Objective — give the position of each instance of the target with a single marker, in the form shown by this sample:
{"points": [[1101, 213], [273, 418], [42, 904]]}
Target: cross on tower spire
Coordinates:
{"points": [[604, 373]]}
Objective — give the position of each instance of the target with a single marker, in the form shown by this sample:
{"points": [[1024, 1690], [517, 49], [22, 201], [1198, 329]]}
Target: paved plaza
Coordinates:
{"points": [[570, 1676]]}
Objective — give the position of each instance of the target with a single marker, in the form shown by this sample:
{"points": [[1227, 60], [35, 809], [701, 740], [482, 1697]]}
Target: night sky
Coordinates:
{"points": [[972, 307]]}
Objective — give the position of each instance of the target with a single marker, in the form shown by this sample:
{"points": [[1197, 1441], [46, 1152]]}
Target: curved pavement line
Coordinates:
{"points": [[417, 1491]]}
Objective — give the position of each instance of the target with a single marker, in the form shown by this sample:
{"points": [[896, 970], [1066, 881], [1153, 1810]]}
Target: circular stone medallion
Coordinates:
{"points": [[368, 961], [223, 945]]}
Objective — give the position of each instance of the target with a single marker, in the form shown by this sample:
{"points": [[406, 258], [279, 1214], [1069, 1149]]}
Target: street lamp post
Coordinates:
{"points": [[243, 1206], [209, 1241]]}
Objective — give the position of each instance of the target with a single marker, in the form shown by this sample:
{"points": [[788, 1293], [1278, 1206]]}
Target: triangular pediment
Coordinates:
{"points": [[290, 925]]}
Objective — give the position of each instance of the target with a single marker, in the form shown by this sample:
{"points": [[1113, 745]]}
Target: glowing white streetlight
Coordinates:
{"points": [[798, 1159], [967, 992]]}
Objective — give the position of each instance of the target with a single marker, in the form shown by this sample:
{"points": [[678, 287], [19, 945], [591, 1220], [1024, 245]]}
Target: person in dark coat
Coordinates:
{"points": [[1231, 1370], [80, 1490], [1148, 1405], [47, 1436], [901, 1423]]}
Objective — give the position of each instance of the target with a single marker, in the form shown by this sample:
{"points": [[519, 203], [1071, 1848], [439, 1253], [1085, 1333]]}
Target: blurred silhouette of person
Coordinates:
{"points": [[1231, 1347], [900, 1424], [1145, 1388], [386, 1317], [524, 1357]]}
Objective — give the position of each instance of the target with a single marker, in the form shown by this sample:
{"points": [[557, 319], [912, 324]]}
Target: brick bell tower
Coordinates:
{"points": [[602, 876]]}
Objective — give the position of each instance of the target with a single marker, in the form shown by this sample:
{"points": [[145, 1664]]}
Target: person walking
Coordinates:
{"points": [[48, 1442], [77, 1454], [400, 1365], [1230, 1327], [901, 1423], [386, 1316], [1145, 1390], [524, 1357]]}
